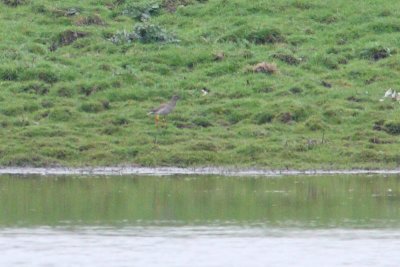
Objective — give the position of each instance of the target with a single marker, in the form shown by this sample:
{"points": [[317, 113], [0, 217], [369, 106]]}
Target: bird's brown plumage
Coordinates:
{"points": [[165, 108]]}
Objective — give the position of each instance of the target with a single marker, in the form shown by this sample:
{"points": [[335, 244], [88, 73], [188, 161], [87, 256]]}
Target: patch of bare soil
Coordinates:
{"points": [[265, 67], [66, 38]]}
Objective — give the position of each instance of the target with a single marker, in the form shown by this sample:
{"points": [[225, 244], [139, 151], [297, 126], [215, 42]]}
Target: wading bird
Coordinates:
{"points": [[164, 110]]}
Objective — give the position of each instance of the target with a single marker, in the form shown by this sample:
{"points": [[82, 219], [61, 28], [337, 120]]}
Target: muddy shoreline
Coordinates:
{"points": [[168, 171]]}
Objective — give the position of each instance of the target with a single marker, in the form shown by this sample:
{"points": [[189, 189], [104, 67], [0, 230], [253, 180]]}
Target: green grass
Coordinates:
{"points": [[71, 96]]}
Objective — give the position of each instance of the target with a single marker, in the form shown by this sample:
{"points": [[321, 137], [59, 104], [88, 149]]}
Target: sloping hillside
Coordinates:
{"points": [[292, 84]]}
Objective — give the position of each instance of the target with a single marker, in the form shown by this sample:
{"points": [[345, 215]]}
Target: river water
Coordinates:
{"points": [[199, 221]]}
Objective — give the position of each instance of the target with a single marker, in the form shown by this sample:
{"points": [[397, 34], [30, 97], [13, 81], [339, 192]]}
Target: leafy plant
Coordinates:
{"points": [[141, 11], [123, 37], [145, 33]]}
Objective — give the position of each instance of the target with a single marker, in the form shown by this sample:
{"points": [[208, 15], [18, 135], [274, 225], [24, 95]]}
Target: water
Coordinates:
{"points": [[199, 221]]}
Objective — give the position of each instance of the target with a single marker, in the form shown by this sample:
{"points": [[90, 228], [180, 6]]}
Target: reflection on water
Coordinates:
{"points": [[199, 221], [346, 201], [198, 246]]}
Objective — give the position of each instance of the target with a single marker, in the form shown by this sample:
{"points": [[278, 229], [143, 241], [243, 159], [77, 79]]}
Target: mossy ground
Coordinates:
{"points": [[70, 96]]}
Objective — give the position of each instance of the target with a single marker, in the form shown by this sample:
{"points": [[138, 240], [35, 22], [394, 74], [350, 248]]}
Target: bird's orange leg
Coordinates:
{"points": [[157, 118], [165, 121]]}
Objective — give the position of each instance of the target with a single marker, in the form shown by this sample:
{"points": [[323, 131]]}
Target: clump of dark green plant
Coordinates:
{"points": [[14, 3], [120, 120], [149, 33], [202, 122], [376, 52], [9, 74], [39, 8], [92, 107], [35, 88], [263, 117], [266, 36], [140, 11], [392, 127], [296, 90], [145, 33], [288, 58]]}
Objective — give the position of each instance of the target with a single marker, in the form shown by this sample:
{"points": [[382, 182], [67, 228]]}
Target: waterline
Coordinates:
{"points": [[167, 171]]}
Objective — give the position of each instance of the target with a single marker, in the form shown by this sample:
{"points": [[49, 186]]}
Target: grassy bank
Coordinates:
{"points": [[78, 77]]}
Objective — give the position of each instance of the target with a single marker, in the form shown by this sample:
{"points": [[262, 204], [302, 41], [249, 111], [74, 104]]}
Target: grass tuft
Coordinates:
{"points": [[60, 115], [94, 19], [92, 107], [263, 117]]}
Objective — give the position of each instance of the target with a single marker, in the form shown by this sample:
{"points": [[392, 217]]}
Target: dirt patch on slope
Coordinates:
{"points": [[66, 38]]}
